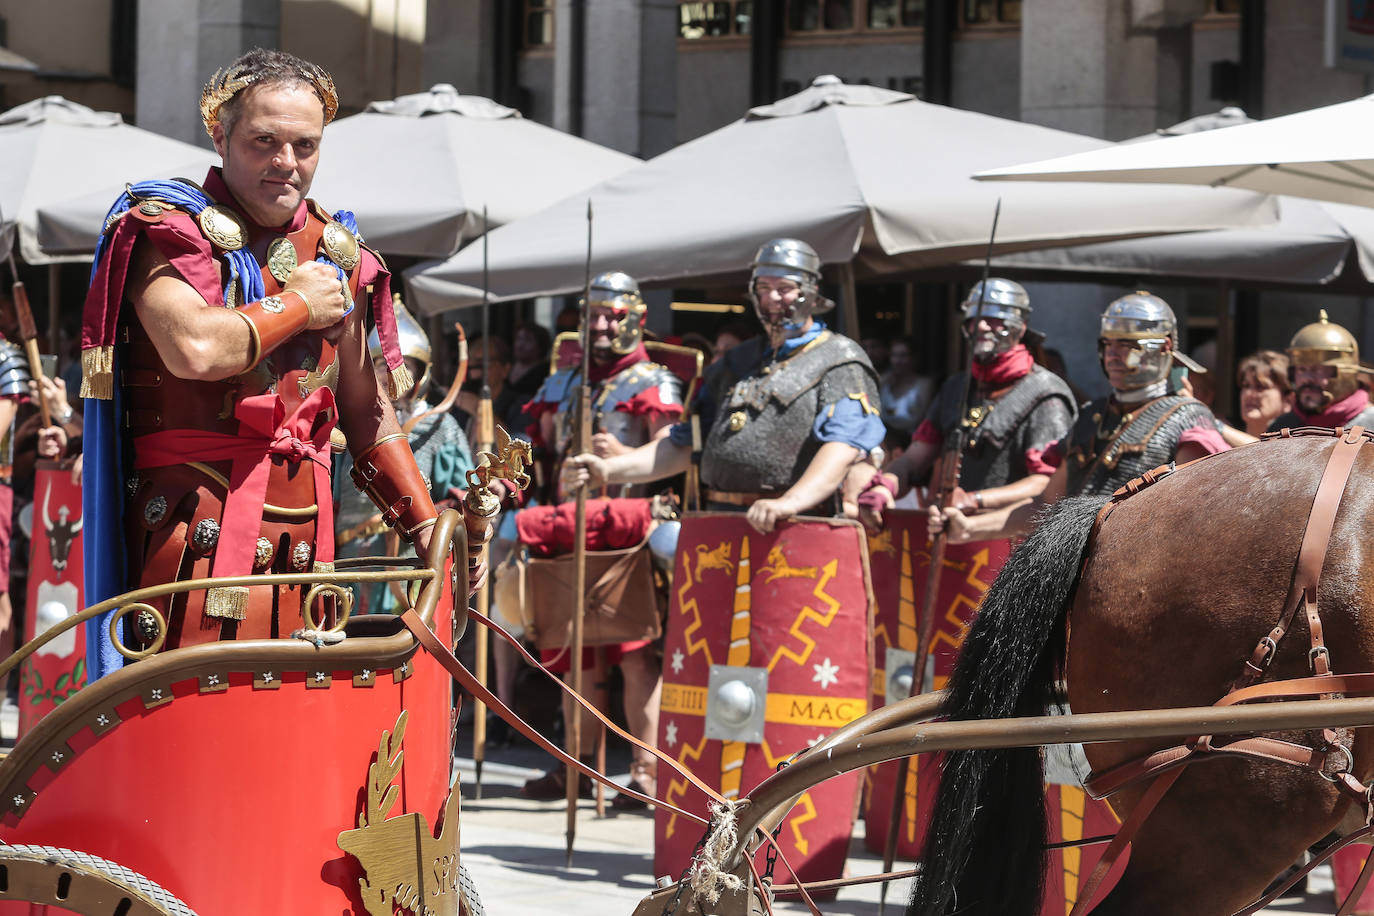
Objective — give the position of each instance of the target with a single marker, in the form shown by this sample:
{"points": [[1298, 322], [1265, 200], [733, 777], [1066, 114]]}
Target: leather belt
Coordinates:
{"points": [[734, 499]]}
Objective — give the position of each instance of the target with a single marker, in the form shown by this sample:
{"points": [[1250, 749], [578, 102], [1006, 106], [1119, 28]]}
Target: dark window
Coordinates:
{"points": [[538, 23], [820, 15], [991, 12], [719, 19], [1228, 7], [124, 42], [896, 14]]}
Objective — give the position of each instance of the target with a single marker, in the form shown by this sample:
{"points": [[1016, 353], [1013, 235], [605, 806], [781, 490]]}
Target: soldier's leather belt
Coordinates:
{"points": [[734, 499]]}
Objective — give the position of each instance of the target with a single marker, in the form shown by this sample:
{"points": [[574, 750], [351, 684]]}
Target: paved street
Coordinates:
{"points": [[514, 850]]}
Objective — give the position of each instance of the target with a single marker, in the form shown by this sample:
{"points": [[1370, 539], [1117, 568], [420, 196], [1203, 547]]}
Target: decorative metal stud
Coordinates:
{"points": [[223, 227], [155, 511], [262, 554], [340, 245], [300, 556], [737, 421], [150, 208], [206, 535], [281, 259], [147, 626], [131, 485]]}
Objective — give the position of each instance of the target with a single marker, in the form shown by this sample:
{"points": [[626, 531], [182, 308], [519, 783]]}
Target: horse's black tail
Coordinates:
{"points": [[984, 854]]}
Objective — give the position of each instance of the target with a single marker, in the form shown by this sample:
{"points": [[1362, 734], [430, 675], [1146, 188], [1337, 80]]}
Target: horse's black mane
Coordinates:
{"points": [[985, 850]]}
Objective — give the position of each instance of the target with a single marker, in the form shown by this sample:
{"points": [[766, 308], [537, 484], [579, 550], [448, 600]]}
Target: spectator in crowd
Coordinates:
{"points": [[732, 333], [905, 394], [529, 358], [1265, 392]]}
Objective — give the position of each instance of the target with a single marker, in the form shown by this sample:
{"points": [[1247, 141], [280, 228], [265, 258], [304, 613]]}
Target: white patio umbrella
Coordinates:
{"points": [[1325, 154], [417, 170], [54, 149], [865, 175], [1310, 244]]}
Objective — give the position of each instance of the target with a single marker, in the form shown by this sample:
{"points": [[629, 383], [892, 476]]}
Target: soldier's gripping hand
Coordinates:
{"points": [[953, 523], [765, 514], [605, 445], [585, 470], [326, 295]]}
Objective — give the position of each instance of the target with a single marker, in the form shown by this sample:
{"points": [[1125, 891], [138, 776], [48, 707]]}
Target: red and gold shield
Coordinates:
{"points": [[900, 561], [57, 670], [788, 612]]}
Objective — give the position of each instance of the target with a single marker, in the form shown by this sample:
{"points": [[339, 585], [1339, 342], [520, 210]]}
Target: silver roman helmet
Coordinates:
{"points": [[1001, 299], [414, 343], [1146, 320], [790, 259], [619, 292]]}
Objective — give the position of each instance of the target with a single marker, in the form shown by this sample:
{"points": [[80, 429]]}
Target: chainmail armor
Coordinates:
{"points": [[774, 407], [1149, 437], [1037, 412]]}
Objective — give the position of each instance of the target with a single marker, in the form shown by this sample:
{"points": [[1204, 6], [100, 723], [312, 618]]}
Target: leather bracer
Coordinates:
{"points": [[387, 473], [273, 320]]}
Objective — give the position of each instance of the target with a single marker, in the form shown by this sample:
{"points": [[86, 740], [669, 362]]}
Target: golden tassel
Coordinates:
{"points": [[227, 601], [401, 382], [97, 372]]}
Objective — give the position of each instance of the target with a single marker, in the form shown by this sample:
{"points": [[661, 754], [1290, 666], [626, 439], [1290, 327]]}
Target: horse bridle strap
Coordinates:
{"points": [[1168, 764]]}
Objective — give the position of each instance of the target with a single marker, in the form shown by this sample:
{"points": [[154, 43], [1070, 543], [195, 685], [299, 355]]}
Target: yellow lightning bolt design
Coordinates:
{"points": [[827, 573], [796, 820], [732, 752], [1071, 804], [913, 770], [906, 605], [961, 609], [689, 606], [678, 787]]}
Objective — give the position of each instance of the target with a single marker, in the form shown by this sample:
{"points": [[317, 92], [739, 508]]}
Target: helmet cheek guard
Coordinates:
{"points": [[629, 328], [789, 259], [1324, 343]]}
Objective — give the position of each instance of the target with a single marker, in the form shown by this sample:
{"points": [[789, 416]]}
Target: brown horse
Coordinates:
{"points": [[1180, 583]]}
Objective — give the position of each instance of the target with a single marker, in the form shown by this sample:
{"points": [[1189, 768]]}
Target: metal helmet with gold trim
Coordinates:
{"points": [[789, 259], [1146, 320], [619, 292], [1325, 343], [414, 344]]}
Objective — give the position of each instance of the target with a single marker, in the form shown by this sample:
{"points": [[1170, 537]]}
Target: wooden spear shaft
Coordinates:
{"points": [[583, 442], [486, 441]]}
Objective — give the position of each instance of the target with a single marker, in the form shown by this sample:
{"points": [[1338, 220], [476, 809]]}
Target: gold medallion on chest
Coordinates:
{"points": [[281, 259]]}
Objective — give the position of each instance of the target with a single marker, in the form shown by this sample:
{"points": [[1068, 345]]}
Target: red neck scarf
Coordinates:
{"points": [[1005, 368], [1338, 414], [599, 373]]}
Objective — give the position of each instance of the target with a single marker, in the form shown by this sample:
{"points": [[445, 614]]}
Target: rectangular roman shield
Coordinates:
{"points": [[899, 557], [767, 650], [57, 670]]}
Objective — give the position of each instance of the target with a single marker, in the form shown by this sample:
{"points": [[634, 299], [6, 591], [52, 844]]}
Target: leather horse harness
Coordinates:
{"points": [[1332, 760]]}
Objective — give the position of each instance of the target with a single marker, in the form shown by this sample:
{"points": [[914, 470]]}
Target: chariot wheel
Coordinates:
{"points": [[82, 883]]}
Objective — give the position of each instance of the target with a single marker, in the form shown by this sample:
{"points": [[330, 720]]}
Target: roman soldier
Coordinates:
{"points": [[1002, 420], [634, 401], [767, 642], [221, 346], [436, 439], [1323, 367], [1142, 424], [1016, 410]]}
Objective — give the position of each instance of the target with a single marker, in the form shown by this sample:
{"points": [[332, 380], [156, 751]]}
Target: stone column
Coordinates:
{"points": [[178, 49], [1110, 70]]}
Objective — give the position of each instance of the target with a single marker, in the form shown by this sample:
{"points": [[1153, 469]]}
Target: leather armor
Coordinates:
{"points": [[760, 438], [1036, 411], [1101, 460], [173, 514]]}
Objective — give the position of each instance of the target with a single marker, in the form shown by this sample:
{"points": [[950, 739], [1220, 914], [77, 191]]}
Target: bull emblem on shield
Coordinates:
{"points": [[61, 533], [719, 558]]}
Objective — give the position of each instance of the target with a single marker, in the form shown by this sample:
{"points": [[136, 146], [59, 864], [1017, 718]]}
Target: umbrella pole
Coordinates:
{"points": [[54, 305], [849, 301]]}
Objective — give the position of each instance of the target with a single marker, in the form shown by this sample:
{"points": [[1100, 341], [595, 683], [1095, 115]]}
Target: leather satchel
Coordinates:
{"points": [[622, 605]]}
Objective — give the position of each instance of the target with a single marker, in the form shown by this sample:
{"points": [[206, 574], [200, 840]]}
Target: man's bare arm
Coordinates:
{"points": [[1013, 521], [651, 461], [209, 344]]}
